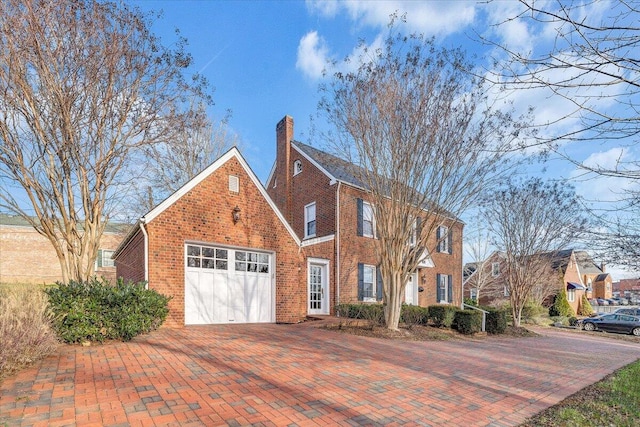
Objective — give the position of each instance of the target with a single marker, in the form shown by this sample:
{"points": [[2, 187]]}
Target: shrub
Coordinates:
{"points": [[95, 310], [442, 315], [471, 301], [496, 322], [532, 310], [561, 305], [414, 315], [26, 334], [573, 321], [585, 308], [468, 322], [373, 313], [560, 320]]}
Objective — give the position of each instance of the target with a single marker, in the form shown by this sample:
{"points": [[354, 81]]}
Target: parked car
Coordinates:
{"points": [[629, 311], [612, 301], [619, 323], [602, 301]]}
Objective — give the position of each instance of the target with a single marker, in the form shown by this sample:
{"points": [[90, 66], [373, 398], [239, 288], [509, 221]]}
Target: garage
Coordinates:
{"points": [[227, 285]]}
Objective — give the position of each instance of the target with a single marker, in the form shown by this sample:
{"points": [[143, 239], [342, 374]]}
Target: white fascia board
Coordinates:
{"points": [[317, 240], [273, 170], [233, 152]]}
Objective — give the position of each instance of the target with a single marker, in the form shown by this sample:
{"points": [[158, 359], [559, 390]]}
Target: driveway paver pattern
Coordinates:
{"points": [[299, 375]]}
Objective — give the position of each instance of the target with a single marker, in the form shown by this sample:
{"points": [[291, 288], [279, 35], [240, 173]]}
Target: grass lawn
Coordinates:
{"points": [[614, 401]]}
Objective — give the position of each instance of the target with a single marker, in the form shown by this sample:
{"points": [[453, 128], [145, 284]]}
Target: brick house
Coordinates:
{"points": [[573, 269], [327, 207], [27, 257], [221, 249]]}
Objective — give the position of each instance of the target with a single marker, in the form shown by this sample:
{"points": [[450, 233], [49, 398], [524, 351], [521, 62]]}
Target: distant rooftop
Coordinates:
{"points": [[18, 221]]}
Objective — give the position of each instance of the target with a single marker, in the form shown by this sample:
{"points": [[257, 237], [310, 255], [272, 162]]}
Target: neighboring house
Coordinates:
{"points": [[484, 281], [627, 286], [28, 257], [221, 249], [329, 210], [573, 269]]}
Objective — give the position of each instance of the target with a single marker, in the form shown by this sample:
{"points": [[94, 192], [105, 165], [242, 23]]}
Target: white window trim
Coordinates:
{"points": [[297, 167], [495, 269], [373, 283], [443, 243], [571, 295], [373, 219], [444, 289], [110, 262], [308, 219]]}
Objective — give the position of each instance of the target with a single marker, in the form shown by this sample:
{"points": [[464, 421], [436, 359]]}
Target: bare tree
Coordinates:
{"points": [[83, 85], [592, 65], [425, 143], [529, 221], [176, 161], [483, 256]]}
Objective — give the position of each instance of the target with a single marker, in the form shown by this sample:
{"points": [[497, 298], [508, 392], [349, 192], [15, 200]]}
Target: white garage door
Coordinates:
{"points": [[224, 285]]}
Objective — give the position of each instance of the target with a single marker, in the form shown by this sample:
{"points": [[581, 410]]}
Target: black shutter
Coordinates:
{"points": [[450, 241], [439, 238], [450, 287], [378, 284], [418, 228], [360, 215], [360, 281], [438, 290]]}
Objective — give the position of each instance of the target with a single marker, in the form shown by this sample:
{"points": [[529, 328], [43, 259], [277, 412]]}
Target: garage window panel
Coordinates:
{"points": [[252, 262], [207, 257]]}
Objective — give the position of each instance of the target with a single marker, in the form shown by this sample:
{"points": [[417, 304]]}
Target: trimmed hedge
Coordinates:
{"points": [[496, 322], [442, 315], [97, 311], [468, 322], [414, 315], [374, 313]]}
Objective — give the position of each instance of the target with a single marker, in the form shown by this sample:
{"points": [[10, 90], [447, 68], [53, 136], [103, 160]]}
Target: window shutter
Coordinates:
{"points": [[378, 284], [99, 258], [450, 288], [438, 290], [360, 281], [439, 238], [450, 241], [418, 228], [360, 209]]}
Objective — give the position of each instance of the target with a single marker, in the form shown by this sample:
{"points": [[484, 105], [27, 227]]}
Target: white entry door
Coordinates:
{"points": [[411, 290], [318, 287]]}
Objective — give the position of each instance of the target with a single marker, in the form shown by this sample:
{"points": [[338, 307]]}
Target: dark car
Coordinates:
{"points": [[619, 323], [630, 311]]}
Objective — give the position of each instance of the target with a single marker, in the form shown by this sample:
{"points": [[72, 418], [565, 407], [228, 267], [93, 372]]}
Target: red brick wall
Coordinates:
{"points": [[28, 257], [130, 262], [205, 215]]}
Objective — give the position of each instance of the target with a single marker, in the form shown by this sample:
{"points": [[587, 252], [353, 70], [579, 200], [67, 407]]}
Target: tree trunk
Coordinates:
{"points": [[393, 301]]}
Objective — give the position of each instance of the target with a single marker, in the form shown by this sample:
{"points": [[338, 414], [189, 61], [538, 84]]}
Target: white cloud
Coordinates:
{"points": [[432, 18], [312, 55]]}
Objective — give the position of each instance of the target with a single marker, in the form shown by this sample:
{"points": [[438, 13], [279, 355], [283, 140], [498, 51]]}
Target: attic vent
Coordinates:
{"points": [[234, 184]]}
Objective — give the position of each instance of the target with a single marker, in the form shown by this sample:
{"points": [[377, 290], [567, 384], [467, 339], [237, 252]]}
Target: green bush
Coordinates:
{"points": [[96, 310], [442, 315], [530, 311], [414, 315], [585, 308], [496, 322], [471, 301], [561, 320], [374, 313], [561, 305], [573, 321], [468, 322]]}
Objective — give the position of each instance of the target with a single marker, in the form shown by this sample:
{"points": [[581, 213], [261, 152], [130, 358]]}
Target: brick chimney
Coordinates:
{"points": [[284, 172]]}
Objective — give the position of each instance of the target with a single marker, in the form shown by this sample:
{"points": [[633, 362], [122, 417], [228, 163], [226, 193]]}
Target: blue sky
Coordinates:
{"points": [[265, 60]]}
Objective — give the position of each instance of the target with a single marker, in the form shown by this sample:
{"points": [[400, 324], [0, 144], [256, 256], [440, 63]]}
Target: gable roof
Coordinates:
{"points": [[166, 203], [601, 277], [11, 220], [338, 169]]}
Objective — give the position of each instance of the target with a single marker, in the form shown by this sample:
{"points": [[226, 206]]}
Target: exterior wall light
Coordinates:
{"points": [[236, 214]]}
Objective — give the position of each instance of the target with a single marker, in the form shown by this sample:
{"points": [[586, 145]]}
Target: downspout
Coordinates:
{"points": [[146, 253], [337, 240]]}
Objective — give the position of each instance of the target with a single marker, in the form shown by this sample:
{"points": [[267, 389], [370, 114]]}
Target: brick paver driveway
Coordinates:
{"points": [[276, 375]]}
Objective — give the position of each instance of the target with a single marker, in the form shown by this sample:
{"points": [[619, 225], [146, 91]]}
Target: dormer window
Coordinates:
{"points": [[297, 167]]}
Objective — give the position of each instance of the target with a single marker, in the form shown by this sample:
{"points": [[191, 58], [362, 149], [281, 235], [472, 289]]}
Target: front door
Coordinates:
{"points": [[411, 290], [318, 292]]}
